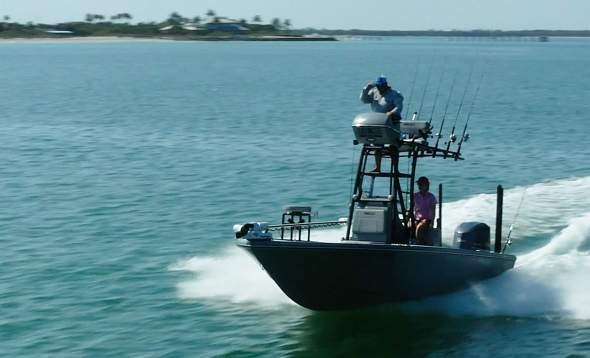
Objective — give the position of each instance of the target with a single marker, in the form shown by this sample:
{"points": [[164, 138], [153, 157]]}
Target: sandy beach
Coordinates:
{"points": [[82, 39]]}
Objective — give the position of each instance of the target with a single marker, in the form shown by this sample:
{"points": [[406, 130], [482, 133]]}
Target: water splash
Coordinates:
{"points": [[547, 280], [546, 208], [233, 276]]}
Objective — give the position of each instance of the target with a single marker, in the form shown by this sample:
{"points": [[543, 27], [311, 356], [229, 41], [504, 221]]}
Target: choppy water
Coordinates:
{"points": [[123, 166]]}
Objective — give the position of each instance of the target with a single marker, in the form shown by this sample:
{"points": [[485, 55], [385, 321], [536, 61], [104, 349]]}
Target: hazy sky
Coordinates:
{"points": [[332, 14]]}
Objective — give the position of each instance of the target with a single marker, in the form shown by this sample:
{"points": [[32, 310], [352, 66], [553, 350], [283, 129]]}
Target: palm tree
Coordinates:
{"points": [[276, 23], [211, 14], [257, 18], [123, 15], [175, 18], [197, 20], [286, 23], [6, 18]]}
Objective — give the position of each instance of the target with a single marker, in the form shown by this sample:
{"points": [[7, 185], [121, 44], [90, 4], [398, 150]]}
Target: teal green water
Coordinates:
{"points": [[123, 166]]}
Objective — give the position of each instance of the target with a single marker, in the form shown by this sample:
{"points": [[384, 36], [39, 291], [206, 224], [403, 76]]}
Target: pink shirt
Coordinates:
{"points": [[424, 205]]}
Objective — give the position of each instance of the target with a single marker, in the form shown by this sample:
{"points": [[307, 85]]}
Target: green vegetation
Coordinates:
{"points": [[176, 26]]}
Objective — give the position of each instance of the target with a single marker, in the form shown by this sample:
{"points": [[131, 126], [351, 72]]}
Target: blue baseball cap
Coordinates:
{"points": [[381, 80]]}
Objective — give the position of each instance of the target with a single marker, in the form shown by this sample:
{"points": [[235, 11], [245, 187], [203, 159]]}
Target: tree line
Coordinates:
{"points": [[120, 24], [211, 16], [98, 17], [176, 18]]}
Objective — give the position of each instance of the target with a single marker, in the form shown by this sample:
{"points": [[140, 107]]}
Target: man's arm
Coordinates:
{"points": [[365, 97], [398, 101]]}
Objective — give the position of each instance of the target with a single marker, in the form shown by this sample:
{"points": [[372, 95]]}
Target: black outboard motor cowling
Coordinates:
{"points": [[472, 236]]}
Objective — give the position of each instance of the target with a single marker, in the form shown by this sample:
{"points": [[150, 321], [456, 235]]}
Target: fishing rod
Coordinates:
{"points": [[508, 238], [412, 90], [453, 137], [442, 123], [437, 92], [426, 86], [464, 135]]}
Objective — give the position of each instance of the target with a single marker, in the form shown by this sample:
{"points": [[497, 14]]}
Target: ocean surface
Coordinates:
{"points": [[124, 165]]}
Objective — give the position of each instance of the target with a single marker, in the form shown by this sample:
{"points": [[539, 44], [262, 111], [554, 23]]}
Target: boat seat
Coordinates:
{"points": [[400, 234], [434, 237]]}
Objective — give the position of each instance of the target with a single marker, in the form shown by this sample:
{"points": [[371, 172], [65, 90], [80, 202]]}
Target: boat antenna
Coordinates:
{"points": [[464, 135], [442, 123], [437, 92], [508, 238], [412, 90], [426, 85], [453, 137]]}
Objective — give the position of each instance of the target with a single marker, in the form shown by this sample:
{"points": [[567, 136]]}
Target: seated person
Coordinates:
{"points": [[424, 210]]}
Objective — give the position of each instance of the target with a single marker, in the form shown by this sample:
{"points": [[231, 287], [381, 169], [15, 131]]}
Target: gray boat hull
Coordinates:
{"points": [[348, 275]]}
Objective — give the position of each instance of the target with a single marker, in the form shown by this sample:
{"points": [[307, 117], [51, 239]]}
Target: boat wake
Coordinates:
{"points": [[233, 276], [552, 231], [549, 281]]}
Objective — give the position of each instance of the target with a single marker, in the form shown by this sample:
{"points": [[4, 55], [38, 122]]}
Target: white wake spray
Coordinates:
{"points": [[552, 280], [233, 276], [549, 280], [547, 208]]}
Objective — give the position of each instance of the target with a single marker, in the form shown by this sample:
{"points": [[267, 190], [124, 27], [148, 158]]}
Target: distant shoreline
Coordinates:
{"points": [[451, 33], [79, 39], [310, 35], [115, 38]]}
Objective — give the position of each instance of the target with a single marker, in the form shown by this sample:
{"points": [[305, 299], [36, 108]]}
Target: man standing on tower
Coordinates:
{"points": [[383, 99]]}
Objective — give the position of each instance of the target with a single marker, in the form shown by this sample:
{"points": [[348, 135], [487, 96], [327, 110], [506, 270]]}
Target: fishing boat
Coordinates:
{"points": [[378, 260]]}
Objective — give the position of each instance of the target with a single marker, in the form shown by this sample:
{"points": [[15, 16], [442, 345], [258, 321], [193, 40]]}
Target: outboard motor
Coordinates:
{"points": [[472, 236]]}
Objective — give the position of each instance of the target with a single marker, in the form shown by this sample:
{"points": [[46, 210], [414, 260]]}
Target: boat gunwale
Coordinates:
{"points": [[375, 247]]}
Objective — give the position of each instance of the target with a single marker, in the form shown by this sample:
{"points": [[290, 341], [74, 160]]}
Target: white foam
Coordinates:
{"points": [[549, 280], [236, 277], [546, 208], [232, 276]]}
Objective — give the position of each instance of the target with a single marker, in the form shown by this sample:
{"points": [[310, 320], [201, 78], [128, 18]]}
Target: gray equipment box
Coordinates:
{"points": [[376, 128], [415, 129]]}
